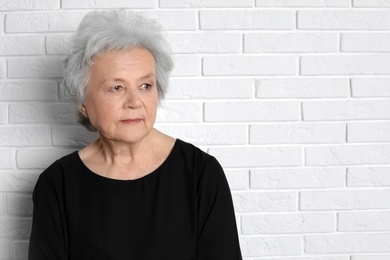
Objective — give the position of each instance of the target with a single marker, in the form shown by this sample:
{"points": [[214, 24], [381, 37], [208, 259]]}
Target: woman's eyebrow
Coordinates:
{"points": [[149, 75]]}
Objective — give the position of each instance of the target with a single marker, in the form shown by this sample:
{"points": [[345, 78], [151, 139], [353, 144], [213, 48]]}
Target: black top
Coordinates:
{"points": [[182, 210]]}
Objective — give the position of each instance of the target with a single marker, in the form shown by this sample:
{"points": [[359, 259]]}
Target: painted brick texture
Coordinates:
{"points": [[291, 96]]}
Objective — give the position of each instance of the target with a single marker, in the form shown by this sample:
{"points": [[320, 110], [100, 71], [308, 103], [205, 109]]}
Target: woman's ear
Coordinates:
{"points": [[83, 110]]}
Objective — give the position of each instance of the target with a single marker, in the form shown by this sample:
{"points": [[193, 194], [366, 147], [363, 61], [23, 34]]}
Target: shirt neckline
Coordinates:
{"points": [[143, 178]]}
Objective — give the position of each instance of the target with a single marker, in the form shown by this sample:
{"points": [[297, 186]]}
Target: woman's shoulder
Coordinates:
{"points": [[57, 168], [195, 155], [190, 148], [208, 171]]}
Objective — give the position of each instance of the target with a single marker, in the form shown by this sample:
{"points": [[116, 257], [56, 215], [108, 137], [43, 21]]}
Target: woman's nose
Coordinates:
{"points": [[133, 99]]}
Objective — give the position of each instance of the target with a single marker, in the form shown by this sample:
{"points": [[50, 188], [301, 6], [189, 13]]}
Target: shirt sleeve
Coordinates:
{"points": [[217, 229], [47, 240]]}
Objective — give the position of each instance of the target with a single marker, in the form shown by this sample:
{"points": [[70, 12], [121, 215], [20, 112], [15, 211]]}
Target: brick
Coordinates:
{"points": [[371, 3], [35, 68], [6, 159], [237, 179], [271, 246], [42, 113], [207, 134], [372, 64], [251, 111], [305, 178], [370, 87], [290, 42], [58, 43], [28, 90], [344, 200], [302, 88], [288, 223], [179, 112], [20, 249], [18, 204], [11, 136], [18, 181], [187, 65], [368, 177], [208, 88], [70, 4], [3, 114], [246, 20], [2, 68], [2, 204], [15, 227], [365, 42], [5, 248], [180, 43], [369, 132], [347, 243], [2, 18], [169, 19], [346, 110], [348, 155], [346, 257], [205, 42], [204, 3], [21, 45], [258, 156], [370, 257], [302, 3], [9, 5], [364, 221], [249, 65], [72, 136], [57, 21], [39, 158], [264, 201], [297, 133], [343, 19]]}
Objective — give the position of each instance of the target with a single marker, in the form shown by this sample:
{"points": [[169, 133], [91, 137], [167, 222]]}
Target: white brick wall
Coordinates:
{"points": [[291, 96]]}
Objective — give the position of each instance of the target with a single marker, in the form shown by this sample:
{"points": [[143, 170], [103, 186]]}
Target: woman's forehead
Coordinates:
{"points": [[132, 61], [125, 54]]}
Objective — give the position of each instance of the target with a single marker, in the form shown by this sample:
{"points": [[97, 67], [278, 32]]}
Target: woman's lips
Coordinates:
{"points": [[131, 120]]}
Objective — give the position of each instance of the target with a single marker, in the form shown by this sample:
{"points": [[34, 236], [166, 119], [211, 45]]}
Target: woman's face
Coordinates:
{"points": [[122, 98]]}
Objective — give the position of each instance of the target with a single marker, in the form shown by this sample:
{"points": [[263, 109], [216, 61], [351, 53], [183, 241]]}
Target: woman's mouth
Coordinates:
{"points": [[131, 120]]}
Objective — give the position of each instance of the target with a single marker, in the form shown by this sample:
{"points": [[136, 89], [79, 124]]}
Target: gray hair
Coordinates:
{"points": [[113, 30]]}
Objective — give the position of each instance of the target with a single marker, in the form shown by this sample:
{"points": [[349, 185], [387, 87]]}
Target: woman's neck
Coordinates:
{"points": [[114, 151], [119, 160]]}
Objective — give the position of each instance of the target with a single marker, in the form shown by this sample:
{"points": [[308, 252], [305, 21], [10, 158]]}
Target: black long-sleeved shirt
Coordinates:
{"points": [[182, 210]]}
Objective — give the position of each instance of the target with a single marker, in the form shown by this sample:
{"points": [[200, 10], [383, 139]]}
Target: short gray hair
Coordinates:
{"points": [[113, 30]]}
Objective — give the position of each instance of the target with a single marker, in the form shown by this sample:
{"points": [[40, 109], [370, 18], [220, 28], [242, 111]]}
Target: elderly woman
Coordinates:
{"points": [[134, 193]]}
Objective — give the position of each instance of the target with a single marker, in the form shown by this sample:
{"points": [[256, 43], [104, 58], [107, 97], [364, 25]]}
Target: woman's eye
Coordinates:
{"points": [[146, 86], [117, 88]]}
